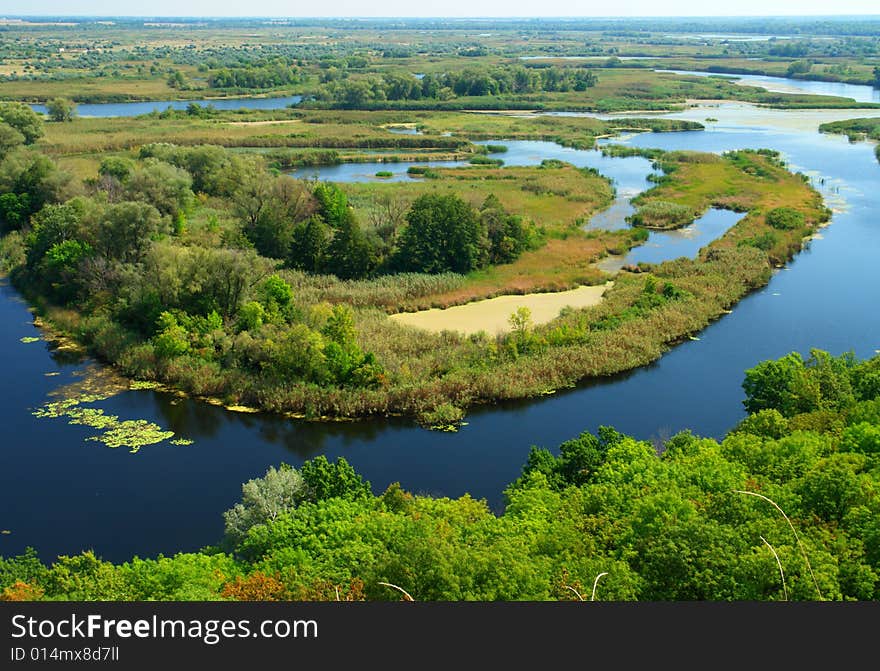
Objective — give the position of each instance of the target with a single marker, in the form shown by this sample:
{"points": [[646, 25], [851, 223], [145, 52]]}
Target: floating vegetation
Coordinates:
{"points": [[182, 441], [139, 385], [52, 374], [134, 434], [29, 339], [241, 408], [99, 384]]}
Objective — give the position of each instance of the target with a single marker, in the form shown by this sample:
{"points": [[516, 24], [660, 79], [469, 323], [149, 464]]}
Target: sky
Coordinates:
{"points": [[448, 8]]}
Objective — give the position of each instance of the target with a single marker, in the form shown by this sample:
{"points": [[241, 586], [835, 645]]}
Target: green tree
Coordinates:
{"points": [[263, 500], [443, 233], [119, 167], [308, 248], [124, 231], [61, 109], [28, 180], [349, 254], [327, 480], [162, 185], [10, 139], [23, 119]]}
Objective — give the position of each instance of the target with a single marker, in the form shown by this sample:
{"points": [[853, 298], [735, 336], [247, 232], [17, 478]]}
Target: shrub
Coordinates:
{"points": [[662, 214], [785, 218]]}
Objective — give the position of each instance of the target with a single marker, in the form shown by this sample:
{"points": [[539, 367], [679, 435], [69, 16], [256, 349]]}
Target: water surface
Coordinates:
{"points": [[858, 92], [138, 108]]}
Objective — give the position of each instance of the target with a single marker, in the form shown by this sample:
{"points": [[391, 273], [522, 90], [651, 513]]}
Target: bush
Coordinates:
{"points": [[662, 214], [785, 218], [445, 417]]}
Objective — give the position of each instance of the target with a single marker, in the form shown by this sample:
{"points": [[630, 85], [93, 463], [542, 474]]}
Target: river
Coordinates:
{"points": [[858, 92], [62, 494], [138, 108]]}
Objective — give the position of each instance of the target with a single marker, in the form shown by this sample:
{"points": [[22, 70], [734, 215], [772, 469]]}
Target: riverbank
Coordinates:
{"points": [[641, 317]]}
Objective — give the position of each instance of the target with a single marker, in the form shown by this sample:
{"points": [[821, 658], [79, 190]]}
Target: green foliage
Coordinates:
{"points": [[23, 119], [28, 181], [263, 500], [61, 109], [793, 385], [118, 167], [662, 215], [171, 338], [308, 248], [326, 480], [161, 185], [10, 139], [785, 218], [123, 231], [275, 290], [443, 233], [391, 88], [768, 423]]}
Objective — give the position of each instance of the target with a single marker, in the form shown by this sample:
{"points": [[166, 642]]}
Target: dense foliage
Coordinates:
{"points": [[691, 518], [355, 93]]}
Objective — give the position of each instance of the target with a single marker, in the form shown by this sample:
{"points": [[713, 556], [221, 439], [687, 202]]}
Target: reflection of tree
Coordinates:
{"points": [[66, 356], [187, 417], [306, 439], [196, 419]]}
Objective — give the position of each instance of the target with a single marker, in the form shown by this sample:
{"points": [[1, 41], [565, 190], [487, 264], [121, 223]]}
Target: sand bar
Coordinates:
{"points": [[491, 315]]}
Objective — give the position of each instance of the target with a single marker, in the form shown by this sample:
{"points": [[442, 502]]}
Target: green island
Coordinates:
{"points": [[856, 130], [203, 268], [785, 507]]}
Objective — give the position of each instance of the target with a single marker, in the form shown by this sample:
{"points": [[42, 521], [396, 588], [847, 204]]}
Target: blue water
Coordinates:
{"points": [[62, 494], [136, 109], [858, 92], [629, 174], [687, 241]]}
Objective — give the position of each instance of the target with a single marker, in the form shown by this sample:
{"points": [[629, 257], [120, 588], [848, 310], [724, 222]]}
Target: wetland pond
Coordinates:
{"points": [[62, 493], [138, 108]]}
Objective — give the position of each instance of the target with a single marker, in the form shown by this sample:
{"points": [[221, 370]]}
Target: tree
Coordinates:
{"points": [[348, 254], [61, 109], [327, 480], [28, 180], [52, 225], [162, 185], [877, 76], [308, 247], [443, 233], [10, 138], [124, 231], [23, 119], [263, 499], [177, 80]]}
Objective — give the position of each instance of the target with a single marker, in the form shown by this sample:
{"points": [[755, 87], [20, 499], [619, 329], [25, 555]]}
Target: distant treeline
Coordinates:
{"points": [[469, 82], [789, 25]]}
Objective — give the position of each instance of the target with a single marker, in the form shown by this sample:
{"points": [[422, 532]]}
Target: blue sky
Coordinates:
{"points": [[482, 8]]}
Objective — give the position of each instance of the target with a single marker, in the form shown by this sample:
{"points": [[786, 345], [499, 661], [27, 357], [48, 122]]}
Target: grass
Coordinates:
{"points": [[856, 130], [427, 375], [558, 198]]}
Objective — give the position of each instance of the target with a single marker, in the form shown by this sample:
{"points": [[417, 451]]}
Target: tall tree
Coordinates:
{"points": [[443, 233], [61, 109]]}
